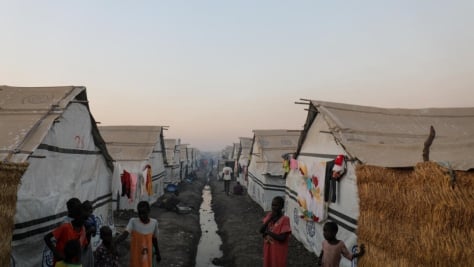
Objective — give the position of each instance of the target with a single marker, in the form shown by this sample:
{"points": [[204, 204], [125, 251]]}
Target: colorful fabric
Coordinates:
{"points": [[133, 186], [293, 164], [125, 179], [149, 184], [66, 232], [332, 254], [104, 258], [275, 252], [141, 246]]}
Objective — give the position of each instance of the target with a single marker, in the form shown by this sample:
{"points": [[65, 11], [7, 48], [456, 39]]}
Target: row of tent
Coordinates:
{"points": [[407, 185], [51, 150]]}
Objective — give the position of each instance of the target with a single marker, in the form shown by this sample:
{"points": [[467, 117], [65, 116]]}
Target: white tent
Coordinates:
{"points": [[374, 136], [183, 160], [266, 174], [136, 149], [243, 159], [53, 130], [172, 162]]}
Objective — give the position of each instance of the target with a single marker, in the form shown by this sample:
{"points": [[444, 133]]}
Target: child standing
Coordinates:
{"points": [[106, 254], [72, 255], [333, 248], [144, 231], [276, 231]]}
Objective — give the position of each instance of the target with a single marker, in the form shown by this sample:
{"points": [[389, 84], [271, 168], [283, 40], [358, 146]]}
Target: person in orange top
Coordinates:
{"points": [[65, 232], [276, 232], [144, 233]]}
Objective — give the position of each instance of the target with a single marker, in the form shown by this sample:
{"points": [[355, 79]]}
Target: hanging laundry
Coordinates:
{"points": [[125, 179], [330, 183], [293, 163], [149, 184], [133, 186]]}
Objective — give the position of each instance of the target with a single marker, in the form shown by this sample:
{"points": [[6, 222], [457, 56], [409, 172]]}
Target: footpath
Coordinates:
{"points": [[239, 218]]}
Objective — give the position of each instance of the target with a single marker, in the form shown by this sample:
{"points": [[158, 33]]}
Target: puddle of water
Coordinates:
{"points": [[209, 245]]}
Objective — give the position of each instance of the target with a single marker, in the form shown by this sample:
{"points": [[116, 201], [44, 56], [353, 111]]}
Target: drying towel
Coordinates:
{"points": [[125, 179], [133, 186]]}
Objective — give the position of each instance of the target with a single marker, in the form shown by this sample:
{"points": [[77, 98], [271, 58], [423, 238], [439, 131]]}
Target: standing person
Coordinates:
{"points": [[144, 231], [71, 204], [333, 248], [106, 254], [65, 232], [227, 177], [72, 255], [276, 231]]}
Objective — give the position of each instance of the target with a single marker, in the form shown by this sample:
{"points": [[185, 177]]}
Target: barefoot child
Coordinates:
{"points": [[106, 254], [333, 248], [144, 231]]}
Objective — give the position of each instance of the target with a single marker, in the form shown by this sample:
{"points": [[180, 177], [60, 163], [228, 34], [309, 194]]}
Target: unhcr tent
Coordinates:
{"points": [[243, 159], [398, 210], [266, 174], [183, 160], [50, 140], [172, 163], [139, 153]]}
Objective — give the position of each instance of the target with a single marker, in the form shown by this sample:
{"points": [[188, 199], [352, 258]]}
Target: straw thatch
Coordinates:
{"points": [[10, 177], [416, 217]]}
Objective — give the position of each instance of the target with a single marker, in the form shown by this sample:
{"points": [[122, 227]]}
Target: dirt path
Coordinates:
{"points": [[238, 219]]}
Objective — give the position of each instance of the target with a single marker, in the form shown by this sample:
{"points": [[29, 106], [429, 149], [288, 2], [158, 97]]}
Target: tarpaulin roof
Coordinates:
{"points": [[131, 143], [27, 114], [170, 146], [393, 137], [272, 144]]}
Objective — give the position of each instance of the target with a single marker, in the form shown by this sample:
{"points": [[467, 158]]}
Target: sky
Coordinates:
{"points": [[213, 71]]}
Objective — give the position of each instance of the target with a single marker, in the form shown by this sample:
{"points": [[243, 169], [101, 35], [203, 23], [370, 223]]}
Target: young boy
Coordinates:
{"points": [[333, 248], [72, 255], [144, 231], [106, 254]]}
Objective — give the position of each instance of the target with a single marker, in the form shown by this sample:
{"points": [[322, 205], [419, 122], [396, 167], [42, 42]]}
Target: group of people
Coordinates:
{"points": [[71, 246], [276, 232]]}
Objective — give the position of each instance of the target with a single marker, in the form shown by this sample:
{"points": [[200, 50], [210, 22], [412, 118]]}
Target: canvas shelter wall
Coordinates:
{"points": [[265, 171], [416, 217], [243, 159], [66, 164], [320, 147], [133, 148]]}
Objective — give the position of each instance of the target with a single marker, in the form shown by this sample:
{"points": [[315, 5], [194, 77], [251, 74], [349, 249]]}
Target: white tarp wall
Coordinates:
{"points": [[66, 164], [134, 148], [183, 159], [172, 167], [303, 195], [265, 171], [243, 160]]}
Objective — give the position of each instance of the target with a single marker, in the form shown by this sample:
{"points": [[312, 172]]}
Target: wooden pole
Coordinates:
{"points": [[428, 142]]}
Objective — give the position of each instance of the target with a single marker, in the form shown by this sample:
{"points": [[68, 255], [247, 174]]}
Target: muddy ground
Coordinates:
{"points": [[238, 219]]}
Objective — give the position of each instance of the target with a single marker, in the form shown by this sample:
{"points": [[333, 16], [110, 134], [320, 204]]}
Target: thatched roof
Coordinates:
{"points": [[391, 137]]}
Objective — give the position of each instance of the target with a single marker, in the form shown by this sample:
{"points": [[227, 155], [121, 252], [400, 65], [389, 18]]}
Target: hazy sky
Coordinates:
{"points": [[215, 70]]}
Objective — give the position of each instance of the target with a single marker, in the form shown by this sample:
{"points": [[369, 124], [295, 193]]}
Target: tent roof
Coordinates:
{"points": [[390, 137], [272, 145], [131, 143], [27, 114]]}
